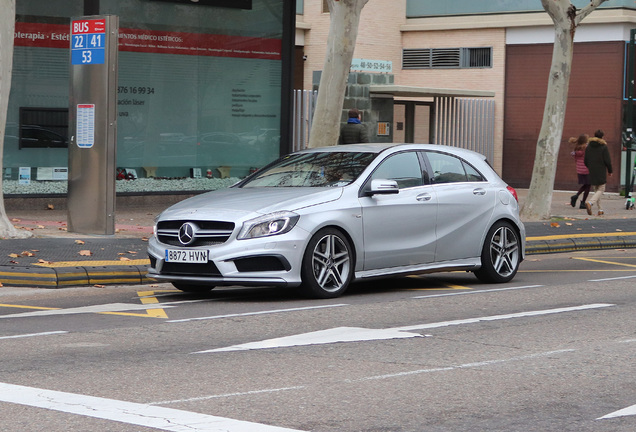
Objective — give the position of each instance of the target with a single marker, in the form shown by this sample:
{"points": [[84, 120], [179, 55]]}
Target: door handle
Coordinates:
{"points": [[424, 197], [479, 191]]}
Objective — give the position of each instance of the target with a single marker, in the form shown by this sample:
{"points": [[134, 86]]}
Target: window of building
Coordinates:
{"points": [[325, 6], [446, 58]]}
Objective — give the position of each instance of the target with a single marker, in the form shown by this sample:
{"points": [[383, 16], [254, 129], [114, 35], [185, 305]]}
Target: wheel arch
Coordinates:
{"points": [[517, 229]]}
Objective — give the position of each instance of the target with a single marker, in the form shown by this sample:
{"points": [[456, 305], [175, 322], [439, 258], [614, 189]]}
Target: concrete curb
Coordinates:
{"points": [[536, 247], [61, 277]]}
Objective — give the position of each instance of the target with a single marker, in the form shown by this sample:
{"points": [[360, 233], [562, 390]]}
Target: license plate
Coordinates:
{"points": [[186, 256]]}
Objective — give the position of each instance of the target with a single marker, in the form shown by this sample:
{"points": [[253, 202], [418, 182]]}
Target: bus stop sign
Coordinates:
{"points": [[88, 41]]}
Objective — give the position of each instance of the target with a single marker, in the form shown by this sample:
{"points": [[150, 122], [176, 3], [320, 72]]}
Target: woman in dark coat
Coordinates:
{"points": [[597, 160]]}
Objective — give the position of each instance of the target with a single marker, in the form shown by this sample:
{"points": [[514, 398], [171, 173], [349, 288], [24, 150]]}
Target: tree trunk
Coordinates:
{"points": [[7, 29], [566, 19], [341, 42]]}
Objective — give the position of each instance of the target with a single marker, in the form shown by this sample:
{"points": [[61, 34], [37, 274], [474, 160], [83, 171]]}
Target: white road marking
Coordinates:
{"points": [[612, 279], [339, 334], [247, 393], [478, 292], [629, 411], [33, 334], [355, 334], [255, 313], [167, 419], [463, 366], [112, 307]]}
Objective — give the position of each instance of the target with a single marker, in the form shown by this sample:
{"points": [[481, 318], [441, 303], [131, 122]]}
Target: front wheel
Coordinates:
{"points": [[327, 266], [501, 254]]}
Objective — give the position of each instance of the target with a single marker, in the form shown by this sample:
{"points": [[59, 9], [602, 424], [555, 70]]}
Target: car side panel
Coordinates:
{"points": [[399, 230], [465, 214]]}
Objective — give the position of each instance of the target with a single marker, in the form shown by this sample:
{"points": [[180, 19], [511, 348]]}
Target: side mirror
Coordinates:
{"points": [[381, 187]]}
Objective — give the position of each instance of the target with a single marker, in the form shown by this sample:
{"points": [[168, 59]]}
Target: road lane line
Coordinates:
{"points": [[34, 334], [255, 313], [629, 411], [247, 393], [144, 415], [611, 279], [503, 317], [605, 262], [462, 366], [478, 292]]}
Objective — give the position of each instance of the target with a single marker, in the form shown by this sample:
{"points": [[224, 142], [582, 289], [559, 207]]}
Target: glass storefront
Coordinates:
{"points": [[199, 90]]}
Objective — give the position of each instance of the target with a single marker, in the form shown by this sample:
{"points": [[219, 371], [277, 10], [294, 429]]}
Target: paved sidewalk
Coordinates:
{"points": [[56, 258]]}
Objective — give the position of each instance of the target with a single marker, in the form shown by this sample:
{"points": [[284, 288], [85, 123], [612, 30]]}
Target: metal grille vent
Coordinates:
{"points": [[446, 58]]}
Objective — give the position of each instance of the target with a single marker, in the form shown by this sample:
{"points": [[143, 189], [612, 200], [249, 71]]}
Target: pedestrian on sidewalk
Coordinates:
{"points": [[583, 173], [353, 132], [597, 159]]}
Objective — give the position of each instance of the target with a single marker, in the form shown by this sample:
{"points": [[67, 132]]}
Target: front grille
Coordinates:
{"points": [[208, 233], [208, 269]]}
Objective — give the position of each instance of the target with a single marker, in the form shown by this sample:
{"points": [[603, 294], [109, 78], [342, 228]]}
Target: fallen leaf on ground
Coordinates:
{"points": [[144, 239], [41, 261], [132, 252], [555, 225], [13, 262], [41, 227], [62, 229], [28, 254], [16, 220], [85, 252], [568, 224], [99, 286], [124, 259], [50, 207], [13, 255], [620, 230], [79, 242]]}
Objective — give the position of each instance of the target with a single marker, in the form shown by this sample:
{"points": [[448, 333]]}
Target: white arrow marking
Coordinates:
{"points": [[167, 419], [354, 334], [339, 334], [620, 413], [112, 307]]}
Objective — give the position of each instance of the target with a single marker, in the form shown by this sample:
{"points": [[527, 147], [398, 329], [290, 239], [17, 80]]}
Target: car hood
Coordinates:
{"points": [[233, 203]]}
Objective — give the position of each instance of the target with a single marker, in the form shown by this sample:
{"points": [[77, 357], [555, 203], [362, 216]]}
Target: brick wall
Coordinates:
{"points": [[595, 102]]}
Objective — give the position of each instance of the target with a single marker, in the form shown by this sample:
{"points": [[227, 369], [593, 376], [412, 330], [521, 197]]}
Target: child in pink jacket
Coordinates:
{"points": [[578, 154]]}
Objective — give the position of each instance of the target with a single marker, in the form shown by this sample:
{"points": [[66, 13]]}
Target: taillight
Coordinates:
{"points": [[513, 192]]}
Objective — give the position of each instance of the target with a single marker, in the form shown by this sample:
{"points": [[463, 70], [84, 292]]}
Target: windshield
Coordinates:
{"points": [[323, 169]]}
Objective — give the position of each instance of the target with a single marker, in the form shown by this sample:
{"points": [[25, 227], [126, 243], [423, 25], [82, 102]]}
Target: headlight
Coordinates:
{"points": [[268, 225], [154, 226]]}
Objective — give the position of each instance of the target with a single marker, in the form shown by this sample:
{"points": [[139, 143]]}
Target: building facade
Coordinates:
{"points": [[503, 47], [203, 88]]}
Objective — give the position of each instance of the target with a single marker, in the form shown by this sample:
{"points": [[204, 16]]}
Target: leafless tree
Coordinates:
{"points": [[566, 19], [341, 42], [7, 30]]}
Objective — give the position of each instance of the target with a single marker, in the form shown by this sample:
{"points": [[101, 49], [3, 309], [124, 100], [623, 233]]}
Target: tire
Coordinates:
{"points": [[190, 288], [327, 266], [501, 254]]}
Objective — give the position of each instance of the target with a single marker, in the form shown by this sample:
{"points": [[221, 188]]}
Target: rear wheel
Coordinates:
{"points": [[327, 266], [501, 254], [192, 288]]}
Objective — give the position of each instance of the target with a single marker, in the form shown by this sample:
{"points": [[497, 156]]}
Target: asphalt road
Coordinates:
{"points": [[552, 351]]}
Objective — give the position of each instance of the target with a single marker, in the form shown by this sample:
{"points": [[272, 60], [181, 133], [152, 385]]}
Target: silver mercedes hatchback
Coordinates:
{"points": [[320, 218]]}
